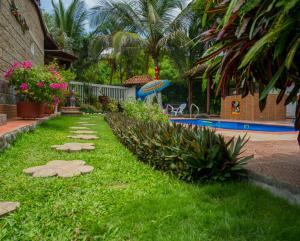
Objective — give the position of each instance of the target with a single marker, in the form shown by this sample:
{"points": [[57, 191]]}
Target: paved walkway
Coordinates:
{"points": [[279, 160], [276, 155], [13, 125], [16, 124]]}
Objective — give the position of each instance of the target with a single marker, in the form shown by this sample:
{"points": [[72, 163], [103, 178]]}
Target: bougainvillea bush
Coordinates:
{"points": [[42, 84]]}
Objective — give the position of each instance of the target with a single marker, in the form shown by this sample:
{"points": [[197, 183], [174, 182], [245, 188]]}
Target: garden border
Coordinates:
{"points": [[8, 138]]}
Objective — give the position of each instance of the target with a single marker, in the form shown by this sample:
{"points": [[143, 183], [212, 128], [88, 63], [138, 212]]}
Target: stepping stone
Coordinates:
{"points": [[84, 137], [79, 128], [83, 132], [88, 124], [7, 207], [81, 122], [74, 147], [60, 168]]}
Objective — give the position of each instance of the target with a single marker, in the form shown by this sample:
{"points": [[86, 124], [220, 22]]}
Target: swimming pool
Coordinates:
{"points": [[235, 125]]}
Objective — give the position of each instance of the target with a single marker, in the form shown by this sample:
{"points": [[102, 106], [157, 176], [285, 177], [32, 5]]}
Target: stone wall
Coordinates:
{"points": [[16, 45], [249, 108]]}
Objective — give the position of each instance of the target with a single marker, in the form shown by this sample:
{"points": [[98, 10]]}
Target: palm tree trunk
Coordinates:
{"points": [[157, 70], [190, 92], [146, 70], [208, 95]]}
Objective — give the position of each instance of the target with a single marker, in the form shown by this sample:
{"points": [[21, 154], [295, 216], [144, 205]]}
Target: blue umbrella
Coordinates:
{"points": [[153, 87]]}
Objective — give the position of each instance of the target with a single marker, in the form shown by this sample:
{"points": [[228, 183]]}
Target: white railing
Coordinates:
{"points": [[85, 90]]}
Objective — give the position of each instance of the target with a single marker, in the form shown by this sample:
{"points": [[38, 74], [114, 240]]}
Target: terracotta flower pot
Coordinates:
{"points": [[30, 110], [48, 109]]}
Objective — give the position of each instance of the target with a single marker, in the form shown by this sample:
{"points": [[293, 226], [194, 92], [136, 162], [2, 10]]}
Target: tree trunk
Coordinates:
{"points": [[208, 95], [190, 93], [146, 70], [297, 121], [157, 70]]}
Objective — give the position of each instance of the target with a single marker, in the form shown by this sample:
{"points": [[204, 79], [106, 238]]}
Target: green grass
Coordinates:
{"points": [[123, 199]]}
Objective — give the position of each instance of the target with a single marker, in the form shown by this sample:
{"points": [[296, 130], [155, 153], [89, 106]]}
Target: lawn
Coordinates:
{"points": [[124, 199]]}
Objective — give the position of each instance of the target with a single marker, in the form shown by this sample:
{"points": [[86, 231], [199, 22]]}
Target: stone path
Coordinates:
{"points": [[60, 168], [88, 124], [7, 207], [79, 128], [84, 137], [74, 147], [84, 132]]}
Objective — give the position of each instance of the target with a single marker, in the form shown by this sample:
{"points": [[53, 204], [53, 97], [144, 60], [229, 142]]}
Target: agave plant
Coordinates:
{"points": [[254, 44]]}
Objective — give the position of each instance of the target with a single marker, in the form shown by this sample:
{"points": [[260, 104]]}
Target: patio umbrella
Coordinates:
{"points": [[153, 87]]}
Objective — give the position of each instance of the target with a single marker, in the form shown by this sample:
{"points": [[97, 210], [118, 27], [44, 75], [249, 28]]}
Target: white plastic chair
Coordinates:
{"points": [[177, 111]]}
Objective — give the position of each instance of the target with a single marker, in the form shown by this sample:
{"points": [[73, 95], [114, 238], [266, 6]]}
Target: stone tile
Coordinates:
{"points": [[74, 147], [88, 124], [79, 128], [60, 168], [83, 132], [7, 207], [84, 137]]}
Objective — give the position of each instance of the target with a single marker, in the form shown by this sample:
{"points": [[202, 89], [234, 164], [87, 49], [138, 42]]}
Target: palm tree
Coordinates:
{"points": [[184, 51], [153, 20], [68, 22]]}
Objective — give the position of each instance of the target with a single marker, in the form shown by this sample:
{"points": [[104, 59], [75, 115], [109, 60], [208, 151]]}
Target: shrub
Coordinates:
{"points": [[89, 109], [142, 111], [112, 106], [192, 154]]}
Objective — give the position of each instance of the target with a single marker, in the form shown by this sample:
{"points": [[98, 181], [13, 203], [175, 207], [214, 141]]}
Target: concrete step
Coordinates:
{"points": [[3, 119]]}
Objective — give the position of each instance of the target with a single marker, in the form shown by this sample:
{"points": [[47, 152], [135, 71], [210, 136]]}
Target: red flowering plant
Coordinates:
{"points": [[28, 81], [58, 87], [40, 84]]}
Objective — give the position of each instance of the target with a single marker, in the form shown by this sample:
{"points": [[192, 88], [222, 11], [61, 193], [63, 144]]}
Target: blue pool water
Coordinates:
{"points": [[236, 125]]}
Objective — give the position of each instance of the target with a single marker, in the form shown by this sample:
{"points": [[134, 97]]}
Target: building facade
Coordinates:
{"points": [[22, 37]]}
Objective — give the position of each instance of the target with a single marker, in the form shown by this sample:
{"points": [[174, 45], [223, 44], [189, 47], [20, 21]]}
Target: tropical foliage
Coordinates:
{"points": [[143, 111], [191, 154], [67, 24], [255, 45], [151, 23]]}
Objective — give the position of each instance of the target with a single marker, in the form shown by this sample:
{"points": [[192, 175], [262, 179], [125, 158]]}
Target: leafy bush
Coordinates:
{"points": [[190, 153], [89, 109], [144, 112], [112, 106]]}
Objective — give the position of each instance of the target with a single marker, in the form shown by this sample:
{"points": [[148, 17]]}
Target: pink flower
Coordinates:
{"points": [[64, 85], [8, 73], [27, 64], [54, 86], [40, 84], [52, 68], [16, 65], [24, 86]]}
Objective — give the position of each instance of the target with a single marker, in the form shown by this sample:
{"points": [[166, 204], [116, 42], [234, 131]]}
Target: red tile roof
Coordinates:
{"points": [[138, 80]]}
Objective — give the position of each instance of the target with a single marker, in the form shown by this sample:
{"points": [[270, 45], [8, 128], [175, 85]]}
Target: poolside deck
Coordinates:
{"points": [[276, 157]]}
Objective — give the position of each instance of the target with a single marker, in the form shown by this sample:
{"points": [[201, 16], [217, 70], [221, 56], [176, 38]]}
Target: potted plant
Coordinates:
{"points": [[35, 87]]}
